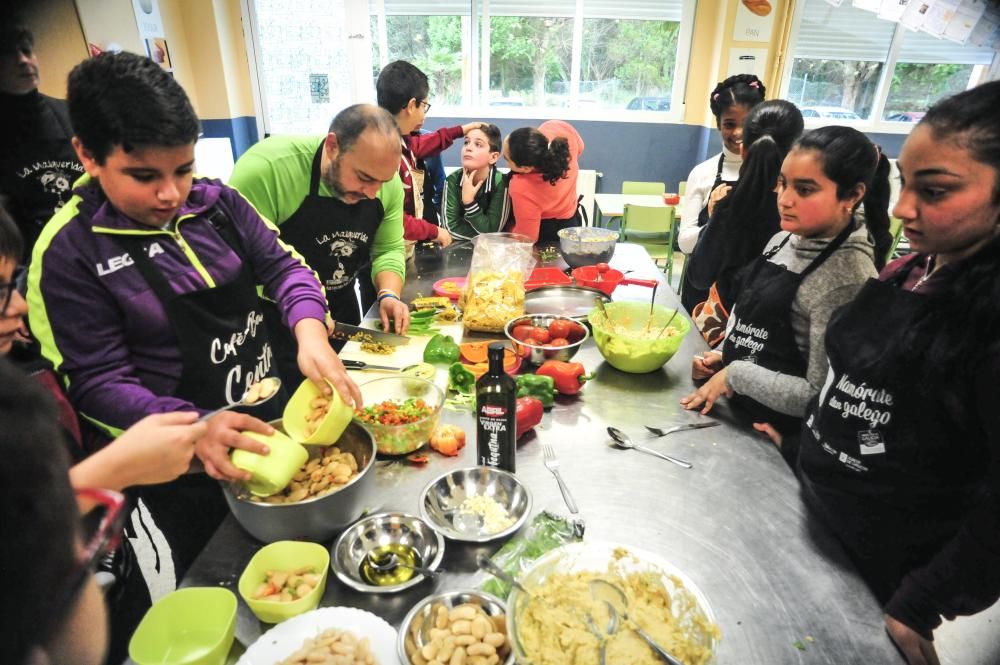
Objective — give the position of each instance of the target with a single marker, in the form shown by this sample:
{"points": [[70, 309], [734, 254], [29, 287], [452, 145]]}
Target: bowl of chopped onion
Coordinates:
{"points": [[634, 340], [476, 504], [401, 412]]}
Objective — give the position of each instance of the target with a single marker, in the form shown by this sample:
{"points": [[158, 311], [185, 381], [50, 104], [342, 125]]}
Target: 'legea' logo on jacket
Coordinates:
{"points": [[116, 263]]}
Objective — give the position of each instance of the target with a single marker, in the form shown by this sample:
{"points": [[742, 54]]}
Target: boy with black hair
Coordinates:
{"points": [[143, 288], [474, 196], [402, 90]]}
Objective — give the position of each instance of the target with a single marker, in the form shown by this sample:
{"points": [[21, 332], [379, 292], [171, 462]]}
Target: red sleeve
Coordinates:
{"points": [[428, 145], [415, 228]]}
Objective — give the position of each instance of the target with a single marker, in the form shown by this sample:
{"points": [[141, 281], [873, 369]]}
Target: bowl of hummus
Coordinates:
{"points": [[549, 625]]}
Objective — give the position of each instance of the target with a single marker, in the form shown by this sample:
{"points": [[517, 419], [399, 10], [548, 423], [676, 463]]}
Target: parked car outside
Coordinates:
{"points": [[835, 112], [649, 104], [906, 116]]}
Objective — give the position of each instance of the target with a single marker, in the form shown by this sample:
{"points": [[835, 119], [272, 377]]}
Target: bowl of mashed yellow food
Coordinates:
{"points": [[634, 340], [549, 625]]}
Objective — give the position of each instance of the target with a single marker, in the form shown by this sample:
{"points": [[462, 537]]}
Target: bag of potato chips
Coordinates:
{"points": [[494, 288]]}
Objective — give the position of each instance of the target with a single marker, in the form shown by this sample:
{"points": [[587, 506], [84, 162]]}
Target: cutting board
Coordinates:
{"points": [[401, 356]]}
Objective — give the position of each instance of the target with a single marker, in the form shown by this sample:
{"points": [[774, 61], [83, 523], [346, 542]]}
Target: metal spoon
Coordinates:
{"points": [[622, 440], [600, 305], [669, 321], [389, 562], [618, 602], [680, 428], [611, 629], [652, 304], [487, 566], [276, 388]]}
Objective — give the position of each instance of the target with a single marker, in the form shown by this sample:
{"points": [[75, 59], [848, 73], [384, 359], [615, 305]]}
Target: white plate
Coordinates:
{"points": [[286, 638]]}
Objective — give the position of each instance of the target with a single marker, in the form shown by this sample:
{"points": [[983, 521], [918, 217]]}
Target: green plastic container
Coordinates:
{"points": [[271, 472], [628, 343], [285, 555], [193, 626], [330, 428]]}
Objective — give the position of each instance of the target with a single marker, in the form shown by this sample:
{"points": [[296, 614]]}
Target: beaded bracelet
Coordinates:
{"points": [[388, 295]]}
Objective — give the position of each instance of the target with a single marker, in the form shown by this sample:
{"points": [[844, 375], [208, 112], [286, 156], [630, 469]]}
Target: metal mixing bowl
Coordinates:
{"points": [[412, 629], [587, 245], [441, 499], [377, 531], [320, 519], [536, 354]]}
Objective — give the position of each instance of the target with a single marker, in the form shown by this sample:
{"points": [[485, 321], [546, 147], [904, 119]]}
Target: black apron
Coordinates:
{"points": [[224, 346], [548, 229], [335, 238], [762, 332], [892, 471], [692, 292]]}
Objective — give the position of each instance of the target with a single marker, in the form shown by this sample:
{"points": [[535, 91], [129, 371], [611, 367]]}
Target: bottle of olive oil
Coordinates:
{"points": [[496, 394]]}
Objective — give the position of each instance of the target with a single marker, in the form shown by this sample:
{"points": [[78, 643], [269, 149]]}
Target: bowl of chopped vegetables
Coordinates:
{"points": [[635, 341], [476, 504], [401, 412]]}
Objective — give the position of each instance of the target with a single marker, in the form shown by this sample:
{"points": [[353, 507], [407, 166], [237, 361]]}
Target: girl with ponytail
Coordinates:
{"points": [[773, 359], [901, 450], [542, 187]]}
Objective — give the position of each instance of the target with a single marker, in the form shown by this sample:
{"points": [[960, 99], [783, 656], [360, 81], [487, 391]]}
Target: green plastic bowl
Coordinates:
{"points": [[271, 473], [330, 428], [193, 626], [286, 555], [628, 344]]}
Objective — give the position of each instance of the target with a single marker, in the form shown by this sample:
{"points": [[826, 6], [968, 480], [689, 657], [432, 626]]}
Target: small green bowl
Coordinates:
{"points": [[330, 428], [271, 473], [628, 343], [193, 626], [284, 555]]}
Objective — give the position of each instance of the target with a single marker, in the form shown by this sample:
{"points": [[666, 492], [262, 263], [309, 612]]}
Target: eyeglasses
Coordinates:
{"points": [[427, 106], [7, 289], [102, 527]]}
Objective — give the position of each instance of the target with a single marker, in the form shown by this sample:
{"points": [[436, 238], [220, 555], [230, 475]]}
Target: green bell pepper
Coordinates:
{"points": [[542, 388], [441, 349], [461, 380]]}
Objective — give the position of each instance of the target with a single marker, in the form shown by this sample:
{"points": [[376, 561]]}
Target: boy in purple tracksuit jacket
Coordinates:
{"points": [[143, 288]]}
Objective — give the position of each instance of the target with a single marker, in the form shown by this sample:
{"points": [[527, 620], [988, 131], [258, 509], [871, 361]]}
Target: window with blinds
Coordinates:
{"points": [[847, 64]]}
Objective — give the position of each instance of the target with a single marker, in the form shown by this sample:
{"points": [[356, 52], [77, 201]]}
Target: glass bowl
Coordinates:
{"points": [[405, 438]]}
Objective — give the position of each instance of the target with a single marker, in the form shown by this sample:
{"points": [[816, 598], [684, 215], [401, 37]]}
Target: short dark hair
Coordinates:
{"points": [[493, 136], [39, 520], [11, 240], [352, 122], [127, 100], [15, 37], [529, 147], [398, 83], [742, 89]]}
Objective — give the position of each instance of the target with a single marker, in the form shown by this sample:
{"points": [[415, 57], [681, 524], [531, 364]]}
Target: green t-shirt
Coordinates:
{"points": [[274, 176]]}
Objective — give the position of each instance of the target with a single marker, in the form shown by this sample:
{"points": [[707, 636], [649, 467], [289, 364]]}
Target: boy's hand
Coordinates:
{"points": [[443, 237], [708, 394], [469, 126], [223, 433], [318, 361], [469, 186]]}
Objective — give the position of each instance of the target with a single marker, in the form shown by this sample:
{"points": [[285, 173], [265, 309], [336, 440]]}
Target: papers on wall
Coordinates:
{"points": [[968, 14], [892, 10], [939, 16], [868, 5], [913, 15]]}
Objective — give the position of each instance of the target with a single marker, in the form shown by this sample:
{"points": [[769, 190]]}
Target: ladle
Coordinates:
{"points": [[276, 387], [622, 440], [600, 306], [617, 600], [669, 321], [389, 562], [612, 628], [652, 304], [488, 566]]}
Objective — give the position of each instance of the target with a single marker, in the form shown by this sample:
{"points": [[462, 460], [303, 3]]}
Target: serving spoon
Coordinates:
{"points": [[256, 399], [389, 562], [602, 638], [617, 601], [487, 566], [622, 440]]}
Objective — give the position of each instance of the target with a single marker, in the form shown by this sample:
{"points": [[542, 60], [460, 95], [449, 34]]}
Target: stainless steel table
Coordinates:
{"points": [[734, 523]]}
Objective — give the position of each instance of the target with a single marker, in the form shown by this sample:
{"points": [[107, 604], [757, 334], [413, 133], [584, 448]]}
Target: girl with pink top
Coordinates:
{"points": [[542, 189]]}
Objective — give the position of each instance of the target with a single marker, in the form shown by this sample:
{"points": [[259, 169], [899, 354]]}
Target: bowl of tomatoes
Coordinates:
{"points": [[401, 412], [540, 337]]}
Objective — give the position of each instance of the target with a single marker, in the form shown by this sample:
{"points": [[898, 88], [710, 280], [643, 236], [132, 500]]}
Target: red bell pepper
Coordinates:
{"points": [[569, 377], [528, 413]]}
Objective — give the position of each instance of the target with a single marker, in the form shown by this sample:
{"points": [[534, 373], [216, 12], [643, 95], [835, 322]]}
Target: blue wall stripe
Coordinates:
{"points": [[242, 131]]}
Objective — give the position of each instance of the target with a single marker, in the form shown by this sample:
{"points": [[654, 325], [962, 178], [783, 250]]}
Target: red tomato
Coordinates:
{"points": [[559, 341], [559, 328], [539, 337], [522, 332], [576, 332]]}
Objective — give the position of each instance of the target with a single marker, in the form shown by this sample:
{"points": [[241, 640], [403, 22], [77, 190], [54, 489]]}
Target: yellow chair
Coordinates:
{"points": [[896, 231], [682, 187], [653, 227], [637, 187]]}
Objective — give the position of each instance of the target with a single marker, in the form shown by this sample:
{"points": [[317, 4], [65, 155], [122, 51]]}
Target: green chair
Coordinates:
{"points": [[682, 187], [653, 227], [896, 231], [636, 187]]}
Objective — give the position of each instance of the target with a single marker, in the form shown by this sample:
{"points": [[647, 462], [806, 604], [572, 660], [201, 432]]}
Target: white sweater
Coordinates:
{"points": [[699, 186]]}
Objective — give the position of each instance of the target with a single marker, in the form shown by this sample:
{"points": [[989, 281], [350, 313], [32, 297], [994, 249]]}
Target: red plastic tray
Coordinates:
{"points": [[546, 277]]}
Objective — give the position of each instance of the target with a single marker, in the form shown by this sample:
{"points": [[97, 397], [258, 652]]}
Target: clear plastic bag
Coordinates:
{"points": [[494, 288]]}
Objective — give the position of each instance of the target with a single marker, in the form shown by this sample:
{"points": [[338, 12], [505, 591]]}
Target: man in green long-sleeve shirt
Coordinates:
{"points": [[338, 201]]}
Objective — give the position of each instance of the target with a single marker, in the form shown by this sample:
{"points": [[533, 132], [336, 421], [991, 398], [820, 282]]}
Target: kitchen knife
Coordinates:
{"points": [[345, 331]]}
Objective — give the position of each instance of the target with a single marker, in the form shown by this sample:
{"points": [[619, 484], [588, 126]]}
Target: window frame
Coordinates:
{"points": [[876, 123]]}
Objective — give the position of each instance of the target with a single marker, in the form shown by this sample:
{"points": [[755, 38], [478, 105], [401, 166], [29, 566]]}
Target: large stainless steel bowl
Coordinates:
{"points": [[319, 519], [379, 530], [442, 499], [413, 631]]}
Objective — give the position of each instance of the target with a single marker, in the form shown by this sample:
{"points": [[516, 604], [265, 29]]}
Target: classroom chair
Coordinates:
{"points": [[638, 187], [682, 187], [654, 228], [896, 231]]}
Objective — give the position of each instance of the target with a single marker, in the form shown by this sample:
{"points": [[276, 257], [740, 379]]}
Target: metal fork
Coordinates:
{"points": [[680, 428], [552, 464]]}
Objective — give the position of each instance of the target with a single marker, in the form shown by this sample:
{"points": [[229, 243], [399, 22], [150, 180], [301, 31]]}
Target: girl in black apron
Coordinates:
{"points": [[747, 217], [777, 326], [901, 449]]}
